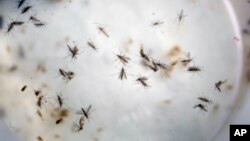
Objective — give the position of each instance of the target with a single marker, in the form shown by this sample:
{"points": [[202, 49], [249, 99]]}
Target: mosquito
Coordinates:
{"points": [[187, 60], [122, 74], [60, 120], [39, 24], [39, 114], [34, 19], [13, 68], [102, 30], [142, 80], [204, 99], [143, 55], [60, 100], [23, 88], [26, 9], [39, 138], [160, 65], [20, 3], [152, 66], [194, 69], [74, 51], [40, 101], [181, 16], [124, 59], [78, 127], [218, 84], [85, 112], [157, 23], [201, 107], [68, 75], [37, 92], [13, 24], [92, 45]]}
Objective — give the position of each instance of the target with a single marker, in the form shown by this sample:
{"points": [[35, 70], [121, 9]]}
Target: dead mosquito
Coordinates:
{"points": [[20, 3], [122, 74], [142, 80], [201, 107], [143, 55], [218, 84], [84, 112], [26, 9], [124, 59], [103, 31], [204, 99], [23, 88]]}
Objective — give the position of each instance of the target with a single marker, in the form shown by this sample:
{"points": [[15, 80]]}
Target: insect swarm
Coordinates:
{"points": [[218, 84]]}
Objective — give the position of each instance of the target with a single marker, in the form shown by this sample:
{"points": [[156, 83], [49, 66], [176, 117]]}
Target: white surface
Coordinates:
{"points": [[241, 113], [129, 106]]}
